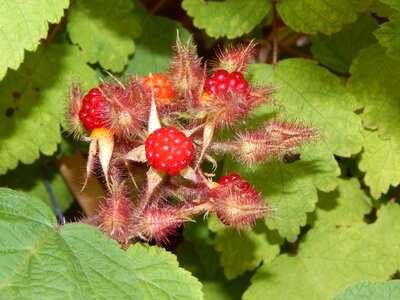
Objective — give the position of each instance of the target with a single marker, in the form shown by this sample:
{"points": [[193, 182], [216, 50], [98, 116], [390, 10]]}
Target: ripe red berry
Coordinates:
{"points": [[169, 150], [223, 82], [95, 110], [161, 85]]}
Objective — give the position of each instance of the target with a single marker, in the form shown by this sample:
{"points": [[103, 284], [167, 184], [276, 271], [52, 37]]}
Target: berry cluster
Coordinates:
{"points": [[94, 112], [134, 125], [223, 82], [169, 150]]}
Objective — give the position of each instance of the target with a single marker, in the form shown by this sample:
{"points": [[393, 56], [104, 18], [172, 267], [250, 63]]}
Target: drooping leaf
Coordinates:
{"points": [[158, 275], [310, 16], [331, 258], [339, 49], [33, 103], [76, 261], [31, 180], [380, 161], [389, 36], [154, 46], [22, 25], [342, 207], [366, 290], [315, 97], [245, 252], [104, 30], [230, 18], [374, 81]]}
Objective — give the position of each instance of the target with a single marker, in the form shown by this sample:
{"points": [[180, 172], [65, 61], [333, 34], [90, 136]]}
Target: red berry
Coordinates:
{"points": [[241, 184], [169, 150], [162, 86], [223, 82], [229, 178], [95, 110]]}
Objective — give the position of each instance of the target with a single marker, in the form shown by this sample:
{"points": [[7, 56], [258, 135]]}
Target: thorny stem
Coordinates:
{"points": [[275, 46], [157, 7], [297, 53], [198, 210], [128, 168], [56, 30]]}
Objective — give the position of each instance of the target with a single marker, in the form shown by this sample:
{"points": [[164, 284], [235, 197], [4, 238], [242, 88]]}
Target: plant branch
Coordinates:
{"points": [[71, 169], [156, 7], [275, 45]]}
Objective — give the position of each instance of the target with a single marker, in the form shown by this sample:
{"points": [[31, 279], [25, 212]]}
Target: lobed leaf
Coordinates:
{"points": [[33, 102], [346, 205], [104, 30], [374, 81], [380, 161], [40, 258], [331, 258], [245, 251], [22, 25], [76, 261], [388, 36], [230, 18], [339, 49], [310, 16], [158, 275]]}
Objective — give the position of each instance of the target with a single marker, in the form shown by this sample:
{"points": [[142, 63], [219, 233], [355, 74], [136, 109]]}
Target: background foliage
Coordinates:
{"points": [[335, 234]]}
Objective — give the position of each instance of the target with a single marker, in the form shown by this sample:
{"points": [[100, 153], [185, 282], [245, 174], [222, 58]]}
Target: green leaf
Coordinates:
{"points": [[314, 96], [381, 9], [331, 258], [380, 161], [245, 251], [342, 207], [389, 36], [366, 290], [154, 47], [310, 16], [339, 49], [33, 102], [76, 261], [157, 274], [393, 3], [104, 30], [375, 80], [230, 18], [40, 258], [30, 179], [22, 25]]}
